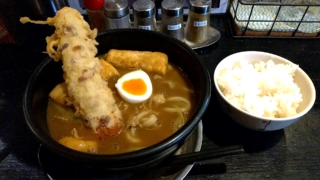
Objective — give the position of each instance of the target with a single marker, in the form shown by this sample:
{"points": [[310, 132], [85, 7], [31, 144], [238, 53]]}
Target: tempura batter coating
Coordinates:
{"points": [[74, 42], [146, 60]]}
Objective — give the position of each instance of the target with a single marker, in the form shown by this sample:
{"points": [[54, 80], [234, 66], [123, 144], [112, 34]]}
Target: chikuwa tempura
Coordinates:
{"points": [[74, 43], [90, 111]]}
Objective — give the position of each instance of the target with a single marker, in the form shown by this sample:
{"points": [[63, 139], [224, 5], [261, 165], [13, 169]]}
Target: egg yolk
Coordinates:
{"points": [[135, 86]]}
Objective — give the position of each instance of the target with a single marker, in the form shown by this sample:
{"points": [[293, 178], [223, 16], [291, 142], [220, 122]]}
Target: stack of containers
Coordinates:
{"points": [[116, 15]]}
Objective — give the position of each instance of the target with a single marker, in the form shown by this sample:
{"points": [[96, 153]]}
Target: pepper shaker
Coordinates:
{"points": [[172, 18], [198, 22], [144, 15], [116, 14]]}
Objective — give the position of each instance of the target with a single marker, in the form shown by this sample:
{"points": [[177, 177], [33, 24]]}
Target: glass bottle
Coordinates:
{"points": [[144, 15], [95, 14], [198, 22], [172, 18], [116, 14]]}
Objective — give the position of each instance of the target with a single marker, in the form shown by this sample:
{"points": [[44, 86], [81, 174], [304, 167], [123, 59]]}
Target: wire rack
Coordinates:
{"points": [[275, 18]]}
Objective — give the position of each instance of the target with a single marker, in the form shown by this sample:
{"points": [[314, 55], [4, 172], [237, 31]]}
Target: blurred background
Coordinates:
{"points": [[13, 32]]}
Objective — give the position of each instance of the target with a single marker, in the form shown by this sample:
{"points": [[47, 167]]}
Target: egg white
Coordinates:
{"points": [[138, 74]]}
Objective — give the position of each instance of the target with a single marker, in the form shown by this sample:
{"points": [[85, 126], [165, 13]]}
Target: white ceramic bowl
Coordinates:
{"points": [[253, 122]]}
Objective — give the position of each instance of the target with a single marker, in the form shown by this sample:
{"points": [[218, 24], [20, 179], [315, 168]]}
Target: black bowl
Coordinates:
{"points": [[49, 73]]}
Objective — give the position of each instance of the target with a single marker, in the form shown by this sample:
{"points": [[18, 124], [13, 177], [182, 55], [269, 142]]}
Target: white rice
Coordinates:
{"points": [[262, 89]]}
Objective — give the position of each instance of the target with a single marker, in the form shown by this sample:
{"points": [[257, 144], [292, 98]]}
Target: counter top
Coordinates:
{"points": [[291, 153]]}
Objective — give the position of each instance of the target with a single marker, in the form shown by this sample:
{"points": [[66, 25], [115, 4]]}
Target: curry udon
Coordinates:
{"points": [[145, 124]]}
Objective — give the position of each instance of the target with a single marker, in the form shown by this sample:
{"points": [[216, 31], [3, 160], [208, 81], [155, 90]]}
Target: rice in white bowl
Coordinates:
{"points": [[264, 89]]}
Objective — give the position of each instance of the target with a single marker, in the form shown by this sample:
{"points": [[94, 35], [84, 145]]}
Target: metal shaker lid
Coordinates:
{"points": [[116, 8], [143, 8], [200, 6], [172, 8]]}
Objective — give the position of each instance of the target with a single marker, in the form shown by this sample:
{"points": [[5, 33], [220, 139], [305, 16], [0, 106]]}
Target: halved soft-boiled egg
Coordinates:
{"points": [[135, 86]]}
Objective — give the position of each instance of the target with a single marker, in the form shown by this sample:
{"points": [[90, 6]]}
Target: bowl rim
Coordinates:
{"points": [[56, 147], [229, 58]]}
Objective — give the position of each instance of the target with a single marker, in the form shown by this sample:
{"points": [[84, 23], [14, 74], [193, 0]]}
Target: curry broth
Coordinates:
{"points": [[61, 120]]}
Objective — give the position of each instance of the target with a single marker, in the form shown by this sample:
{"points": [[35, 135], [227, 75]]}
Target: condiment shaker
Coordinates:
{"points": [[116, 14], [95, 14], [172, 18], [144, 15], [198, 22]]}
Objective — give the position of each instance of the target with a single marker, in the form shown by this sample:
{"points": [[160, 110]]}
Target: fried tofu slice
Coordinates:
{"points": [[59, 93], [146, 60], [108, 70], [79, 144]]}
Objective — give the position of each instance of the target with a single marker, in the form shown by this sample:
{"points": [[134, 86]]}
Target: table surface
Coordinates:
{"points": [[291, 153]]}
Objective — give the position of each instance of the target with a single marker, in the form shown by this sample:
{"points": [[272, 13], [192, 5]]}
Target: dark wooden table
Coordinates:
{"points": [[291, 153]]}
